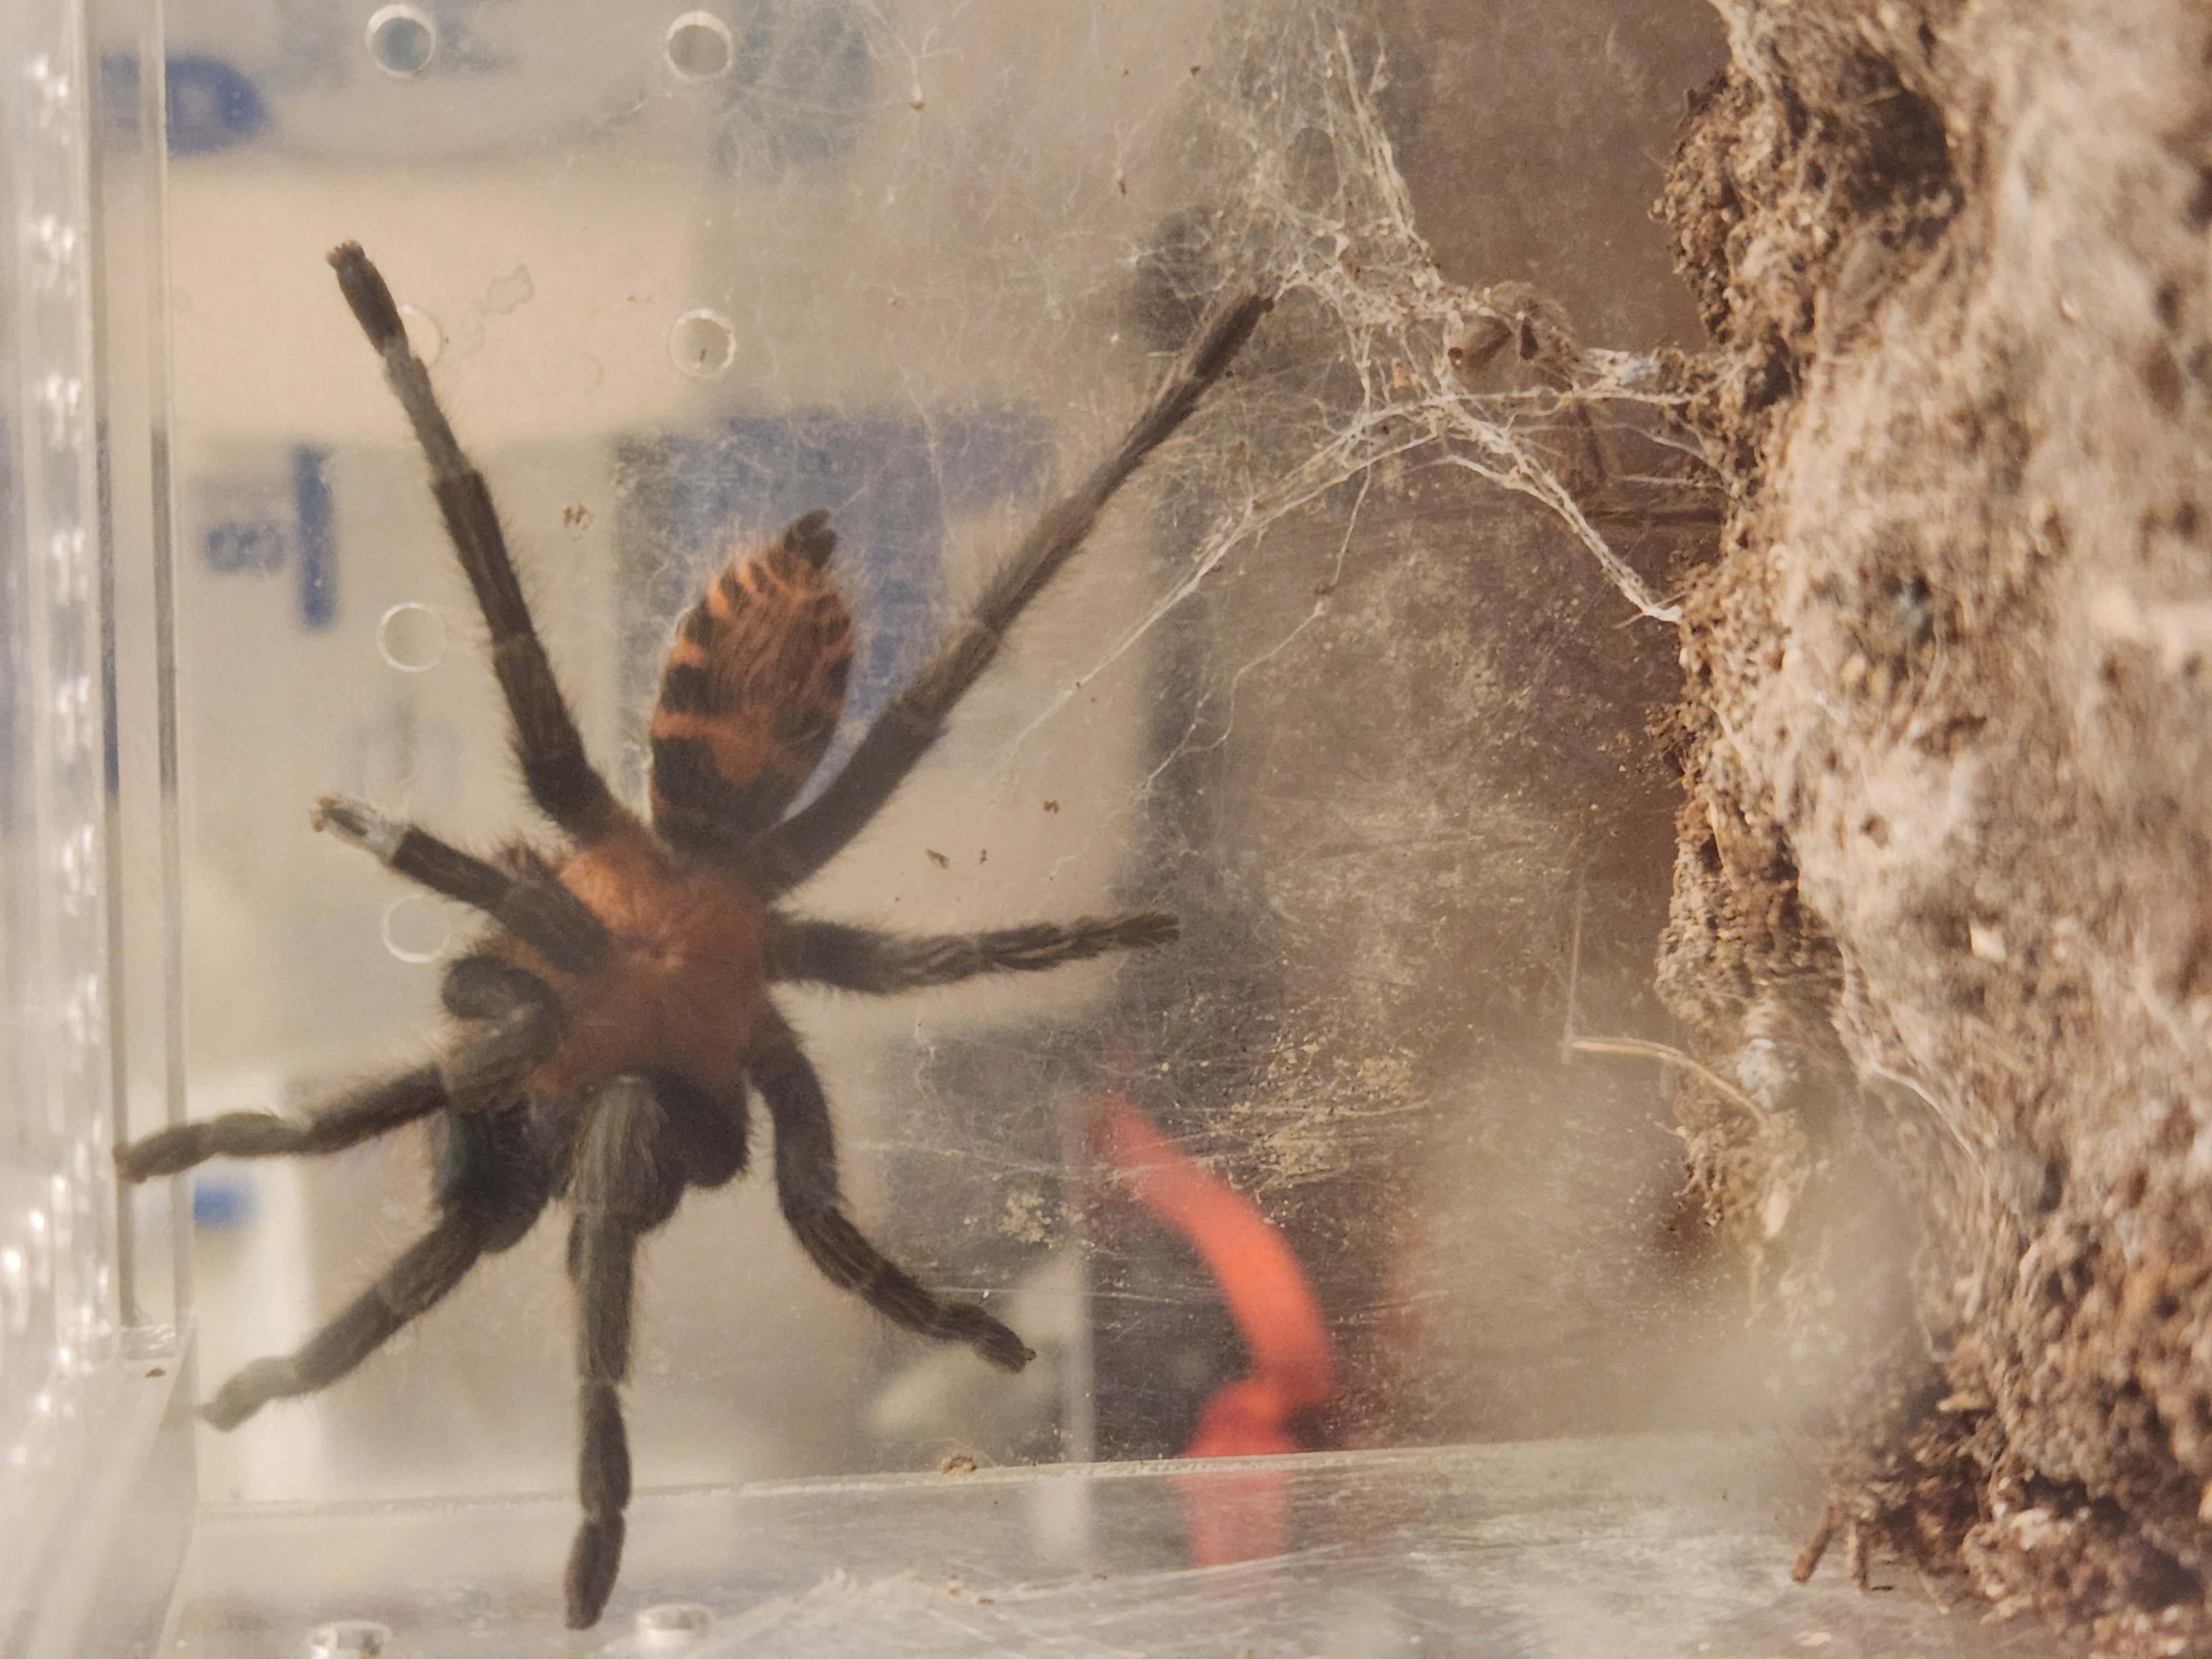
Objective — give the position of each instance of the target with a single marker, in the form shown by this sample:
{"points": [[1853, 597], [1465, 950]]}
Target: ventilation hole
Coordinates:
{"points": [[703, 344], [349, 1639], [673, 1626], [416, 929], [699, 46], [411, 637], [403, 41]]}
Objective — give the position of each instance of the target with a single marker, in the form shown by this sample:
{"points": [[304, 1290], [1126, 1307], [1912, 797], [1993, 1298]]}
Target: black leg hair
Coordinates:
{"points": [[902, 733], [421, 1275], [346, 1119], [705, 1133], [560, 775], [544, 914], [520, 1025], [806, 1188], [882, 964], [622, 1184], [517, 1021], [490, 1189]]}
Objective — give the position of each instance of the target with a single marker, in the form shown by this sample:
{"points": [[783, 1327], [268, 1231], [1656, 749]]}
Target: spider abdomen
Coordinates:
{"points": [[751, 692], [681, 988]]}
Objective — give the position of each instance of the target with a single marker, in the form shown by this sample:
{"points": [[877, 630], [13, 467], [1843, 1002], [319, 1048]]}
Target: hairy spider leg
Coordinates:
{"points": [[806, 1189], [345, 1119], [544, 914], [559, 774], [491, 1185], [788, 854], [517, 1027], [707, 1133], [621, 1187], [645, 1139], [517, 1024], [750, 693], [849, 959]]}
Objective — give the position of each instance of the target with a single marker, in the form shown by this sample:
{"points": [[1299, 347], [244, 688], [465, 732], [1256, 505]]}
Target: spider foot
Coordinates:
{"points": [[949, 1321], [164, 1152], [995, 1343], [262, 1381], [367, 294], [358, 824], [593, 1560]]}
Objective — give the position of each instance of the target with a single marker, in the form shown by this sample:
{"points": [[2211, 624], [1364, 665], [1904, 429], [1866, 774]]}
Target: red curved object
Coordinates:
{"points": [[1272, 1302]]}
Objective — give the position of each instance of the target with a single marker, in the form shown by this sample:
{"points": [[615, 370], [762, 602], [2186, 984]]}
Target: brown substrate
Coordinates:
{"points": [[1943, 900]]}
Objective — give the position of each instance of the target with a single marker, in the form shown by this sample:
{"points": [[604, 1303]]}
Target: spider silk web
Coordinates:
{"points": [[1391, 778]]}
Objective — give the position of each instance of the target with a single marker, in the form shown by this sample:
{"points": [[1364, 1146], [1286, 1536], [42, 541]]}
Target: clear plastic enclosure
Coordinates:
{"points": [[1354, 678]]}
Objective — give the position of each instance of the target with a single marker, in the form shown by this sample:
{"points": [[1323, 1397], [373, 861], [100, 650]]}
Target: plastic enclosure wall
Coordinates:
{"points": [[95, 1480]]}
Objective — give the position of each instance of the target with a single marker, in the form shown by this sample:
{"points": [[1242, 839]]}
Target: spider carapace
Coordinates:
{"points": [[612, 1024]]}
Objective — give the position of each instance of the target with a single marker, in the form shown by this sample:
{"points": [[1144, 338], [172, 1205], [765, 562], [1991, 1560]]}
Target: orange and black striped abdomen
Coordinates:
{"points": [[751, 692]]}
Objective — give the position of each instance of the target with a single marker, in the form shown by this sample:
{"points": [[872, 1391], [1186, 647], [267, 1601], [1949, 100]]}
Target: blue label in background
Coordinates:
{"points": [[221, 1202], [317, 536], [889, 481], [257, 528], [461, 49], [796, 91], [250, 547], [211, 105]]}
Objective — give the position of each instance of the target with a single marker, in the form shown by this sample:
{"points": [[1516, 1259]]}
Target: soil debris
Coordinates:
{"points": [[1943, 891]]}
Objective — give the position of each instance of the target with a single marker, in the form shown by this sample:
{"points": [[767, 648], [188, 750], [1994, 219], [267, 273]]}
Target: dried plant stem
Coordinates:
{"points": [[1640, 1048]]}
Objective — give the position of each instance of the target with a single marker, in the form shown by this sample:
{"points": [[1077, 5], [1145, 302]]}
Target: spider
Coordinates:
{"points": [[614, 1020]]}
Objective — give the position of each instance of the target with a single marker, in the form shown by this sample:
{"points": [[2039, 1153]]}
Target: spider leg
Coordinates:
{"points": [[346, 1119], [902, 733], [861, 959], [421, 1275], [806, 1188], [544, 914], [519, 1024], [706, 1132], [491, 1188], [560, 776], [517, 1021], [623, 1185]]}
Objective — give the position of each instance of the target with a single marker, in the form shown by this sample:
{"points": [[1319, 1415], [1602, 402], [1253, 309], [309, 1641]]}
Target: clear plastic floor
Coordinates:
{"points": [[1643, 1546]]}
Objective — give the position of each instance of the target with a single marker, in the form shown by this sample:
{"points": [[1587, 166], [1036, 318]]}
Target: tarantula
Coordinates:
{"points": [[613, 1020]]}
